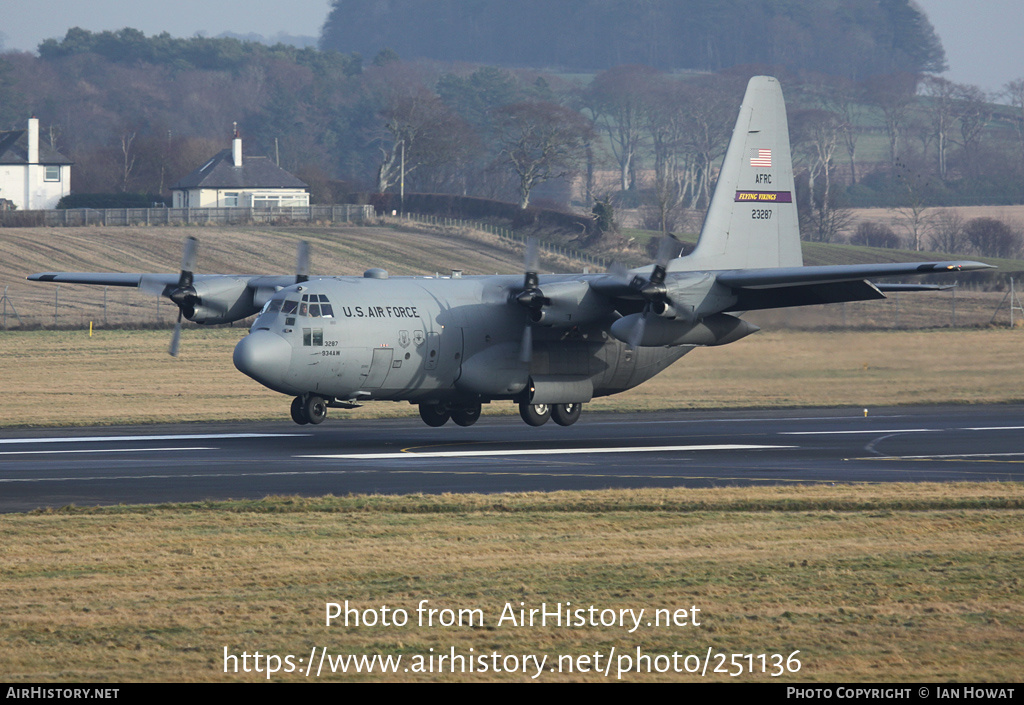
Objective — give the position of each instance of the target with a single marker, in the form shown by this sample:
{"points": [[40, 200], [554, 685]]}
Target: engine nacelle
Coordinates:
{"points": [[221, 300], [716, 329], [573, 303]]}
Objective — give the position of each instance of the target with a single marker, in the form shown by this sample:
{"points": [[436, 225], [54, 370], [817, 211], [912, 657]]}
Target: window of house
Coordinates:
{"points": [[51, 173], [231, 200]]}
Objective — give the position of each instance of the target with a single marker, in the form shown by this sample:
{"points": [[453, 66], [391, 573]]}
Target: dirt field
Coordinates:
{"points": [[1013, 215], [352, 250], [334, 250]]}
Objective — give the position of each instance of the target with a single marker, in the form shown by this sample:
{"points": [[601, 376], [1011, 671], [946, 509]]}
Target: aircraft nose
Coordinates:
{"points": [[266, 357]]}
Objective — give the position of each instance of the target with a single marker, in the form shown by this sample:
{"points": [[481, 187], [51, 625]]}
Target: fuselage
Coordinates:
{"points": [[437, 340]]}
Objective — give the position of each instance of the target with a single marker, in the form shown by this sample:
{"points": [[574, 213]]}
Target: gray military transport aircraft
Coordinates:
{"points": [[550, 343]]}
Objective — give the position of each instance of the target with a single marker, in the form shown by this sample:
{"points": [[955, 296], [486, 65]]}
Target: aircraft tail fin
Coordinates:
{"points": [[752, 221]]}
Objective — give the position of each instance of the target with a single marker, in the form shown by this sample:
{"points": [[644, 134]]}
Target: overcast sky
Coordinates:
{"points": [[983, 39], [25, 23]]}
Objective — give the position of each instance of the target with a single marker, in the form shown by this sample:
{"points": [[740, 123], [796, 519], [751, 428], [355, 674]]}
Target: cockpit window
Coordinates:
{"points": [[311, 306]]}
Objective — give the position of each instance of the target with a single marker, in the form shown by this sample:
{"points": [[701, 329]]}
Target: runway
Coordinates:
{"points": [[190, 462]]}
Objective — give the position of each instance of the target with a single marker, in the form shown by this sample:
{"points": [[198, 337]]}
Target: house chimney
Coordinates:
{"points": [[33, 140], [236, 148]]}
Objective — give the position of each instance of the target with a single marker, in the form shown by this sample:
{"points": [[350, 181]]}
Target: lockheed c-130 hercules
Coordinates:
{"points": [[551, 343]]}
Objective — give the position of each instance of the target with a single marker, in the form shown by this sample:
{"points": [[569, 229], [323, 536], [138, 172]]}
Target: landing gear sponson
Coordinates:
{"points": [[312, 409]]}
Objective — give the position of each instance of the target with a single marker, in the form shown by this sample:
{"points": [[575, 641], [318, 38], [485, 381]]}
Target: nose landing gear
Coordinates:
{"points": [[309, 408]]}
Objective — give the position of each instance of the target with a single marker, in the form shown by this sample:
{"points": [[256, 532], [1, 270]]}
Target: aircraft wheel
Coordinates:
{"points": [[434, 414], [566, 414], [535, 414], [299, 412], [315, 408], [466, 415]]}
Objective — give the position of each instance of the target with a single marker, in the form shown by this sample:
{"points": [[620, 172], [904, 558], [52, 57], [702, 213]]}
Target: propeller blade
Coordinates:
{"points": [[619, 271], [668, 246], [302, 262], [668, 249], [152, 286], [530, 260], [638, 332], [188, 261], [176, 337], [531, 255], [184, 295], [526, 350]]}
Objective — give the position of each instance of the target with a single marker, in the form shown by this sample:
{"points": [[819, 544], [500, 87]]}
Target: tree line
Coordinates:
{"points": [[853, 38], [139, 117]]}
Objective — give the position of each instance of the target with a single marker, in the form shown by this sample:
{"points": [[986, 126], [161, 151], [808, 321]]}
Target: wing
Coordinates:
{"points": [[99, 278], [202, 298], [783, 287]]}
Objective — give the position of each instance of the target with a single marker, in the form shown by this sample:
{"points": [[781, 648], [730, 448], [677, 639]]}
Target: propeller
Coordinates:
{"points": [[651, 289], [302, 262], [531, 298], [184, 295]]}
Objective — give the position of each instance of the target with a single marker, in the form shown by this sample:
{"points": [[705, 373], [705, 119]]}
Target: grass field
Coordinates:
{"points": [[126, 377], [857, 583], [867, 583], [891, 583]]}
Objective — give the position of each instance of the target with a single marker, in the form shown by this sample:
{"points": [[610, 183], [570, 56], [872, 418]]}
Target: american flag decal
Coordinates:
{"points": [[761, 158]]}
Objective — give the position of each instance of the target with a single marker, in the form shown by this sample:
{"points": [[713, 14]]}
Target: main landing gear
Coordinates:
{"points": [[438, 414], [561, 414], [312, 409], [533, 414], [309, 408]]}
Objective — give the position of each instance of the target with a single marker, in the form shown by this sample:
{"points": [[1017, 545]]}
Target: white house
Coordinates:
{"points": [[32, 176], [228, 180]]}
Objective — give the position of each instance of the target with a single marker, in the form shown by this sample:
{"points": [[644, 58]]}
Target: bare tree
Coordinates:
{"points": [[712, 109], [417, 128], [870, 234], [947, 232], [539, 142], [128, 158], [667, 121], [893, 95], [843, 98], [993, 238], [974, 113], [1015, 95], [617, 99], [817, 135], [913, 191], [940, 94]]}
